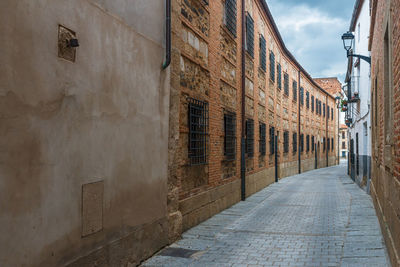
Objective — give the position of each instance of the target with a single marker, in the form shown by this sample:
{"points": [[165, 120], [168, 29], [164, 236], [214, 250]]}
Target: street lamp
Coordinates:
{"points": [[348, 39]]}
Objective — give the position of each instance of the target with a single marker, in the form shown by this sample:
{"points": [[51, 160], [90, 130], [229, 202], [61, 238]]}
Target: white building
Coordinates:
{"points": [[358, 94]]}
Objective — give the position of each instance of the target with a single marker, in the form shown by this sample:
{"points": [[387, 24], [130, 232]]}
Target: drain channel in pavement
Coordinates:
{"points": [[178, 252]]}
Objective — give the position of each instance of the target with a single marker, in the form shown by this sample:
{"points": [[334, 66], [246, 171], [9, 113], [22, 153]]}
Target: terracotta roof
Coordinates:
{"points": [[343, 126]]}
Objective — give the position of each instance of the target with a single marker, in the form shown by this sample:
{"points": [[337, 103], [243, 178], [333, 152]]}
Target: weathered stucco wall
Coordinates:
{"points": [[63, 125]]}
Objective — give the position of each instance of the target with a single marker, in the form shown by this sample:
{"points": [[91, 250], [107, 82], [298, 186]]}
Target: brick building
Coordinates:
{"points": [[280, 100], [385, 84], [343, 141]]}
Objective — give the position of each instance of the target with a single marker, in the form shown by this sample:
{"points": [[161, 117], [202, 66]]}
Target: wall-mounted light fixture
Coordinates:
{"points": [[348, 40]]}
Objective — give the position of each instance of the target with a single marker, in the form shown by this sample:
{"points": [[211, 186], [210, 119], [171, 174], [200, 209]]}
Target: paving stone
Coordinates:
{"points": [[318, 218]]}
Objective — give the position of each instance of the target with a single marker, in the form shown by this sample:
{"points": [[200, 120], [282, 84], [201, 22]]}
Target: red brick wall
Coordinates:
{"points": [[385, 187], [211, 79]]}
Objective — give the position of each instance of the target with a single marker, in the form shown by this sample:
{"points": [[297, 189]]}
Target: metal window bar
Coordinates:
{"points": [[301, 95], [312, 143], [271, 140], [301, 142], [250, 138], [286, 83], [308, 143], [231, 15], [294, 90], [263, 141], [263, 53], [294, 142], [286, 142], [250, 35], [279, 69], [230, 136], [312, 103], [198, 131], [308, 99], [272, 66]]}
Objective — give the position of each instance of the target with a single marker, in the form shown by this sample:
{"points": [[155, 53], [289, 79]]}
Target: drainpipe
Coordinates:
{"points": [[243, 109], [299, 127], [326, 130], [167, 61]]}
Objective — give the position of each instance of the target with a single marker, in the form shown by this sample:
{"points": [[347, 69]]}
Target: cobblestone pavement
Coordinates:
{"points": [[318, 218]]}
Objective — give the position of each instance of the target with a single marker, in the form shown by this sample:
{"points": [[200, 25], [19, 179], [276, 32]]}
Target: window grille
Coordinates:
{"points": [[272, 66], [312, 103], [230, 16], [316, 106], [271, 140], [324, 109], [294, 142], [328, 110], [198, 131], [263, 142], [320, 108], [301, 95], [250, 138], [302, 143], [332, 144], [324, 143], [308, 100], [312, 143], [279, 69], [294, 90], [308, 143], [263, 53], [286, 83], [286, 142], [332, 113], [250, 35], [230, 136]]}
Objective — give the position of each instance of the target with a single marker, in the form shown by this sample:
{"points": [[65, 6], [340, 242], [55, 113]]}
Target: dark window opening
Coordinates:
{"points": [[250, 138], [250, 35], [272, 66], [230, 136], [308, 143], [301, 142], [302, 96], [294, 90], [312, 103], [312, 143], [271, 140], [198, 131], [230, 16], [286, 83], [286, 142], [263, 138], [294, 142], [263, 53], [279, 69], [308, 100]]}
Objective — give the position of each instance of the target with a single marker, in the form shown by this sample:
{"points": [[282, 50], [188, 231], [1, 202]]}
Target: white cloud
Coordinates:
{"points": [[313, 36]]}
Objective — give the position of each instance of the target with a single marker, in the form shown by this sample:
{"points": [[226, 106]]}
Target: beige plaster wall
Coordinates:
{"points": [[63, 125]]}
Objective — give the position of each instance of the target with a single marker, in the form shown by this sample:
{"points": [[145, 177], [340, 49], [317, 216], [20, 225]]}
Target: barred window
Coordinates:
{"points": [[332, 144], [294, 90], [230, 16], [272, 66], [332, 113], [249, 35], [271, 140], [286, 142], [308, 99], [302, 143], [294, 142], [320, 107], [230, 136], [316, 106], [263, 141], [286, 83], [308, 143], [324, 109], [279, 69], [328, 110], [312, 143], [301, 95], [312, 103], [263, 53], [198, 131], [324, 143], [250, 138], [328, 143]]}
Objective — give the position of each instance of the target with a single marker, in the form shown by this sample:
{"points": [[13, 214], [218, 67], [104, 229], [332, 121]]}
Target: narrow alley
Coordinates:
{"points": [[318, 218]]}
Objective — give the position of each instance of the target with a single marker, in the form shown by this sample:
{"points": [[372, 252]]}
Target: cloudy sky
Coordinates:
{"points": [[312, 31]]}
